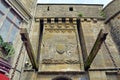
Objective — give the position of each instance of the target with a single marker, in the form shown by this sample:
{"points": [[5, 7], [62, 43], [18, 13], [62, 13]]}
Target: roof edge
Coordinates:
{"points": [[68, 4], [108, 5]]}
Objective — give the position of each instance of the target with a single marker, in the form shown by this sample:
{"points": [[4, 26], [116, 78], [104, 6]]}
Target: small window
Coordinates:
{"points": [[63, 20], [48, 8], [70, 8], [48, 20], [56, 20]]}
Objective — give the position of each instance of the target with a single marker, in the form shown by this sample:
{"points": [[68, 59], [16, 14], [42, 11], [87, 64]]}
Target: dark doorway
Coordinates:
{"points": [[62, 78]]}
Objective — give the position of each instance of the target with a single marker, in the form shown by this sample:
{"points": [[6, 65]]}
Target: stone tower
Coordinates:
{"points": [[113, 20], [55, 41]]}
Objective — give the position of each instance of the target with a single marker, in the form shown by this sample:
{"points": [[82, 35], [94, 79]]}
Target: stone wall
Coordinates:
{"points": [[115, 30], [112, 12], [28, 75], [91, 28], [28, 4], [103, 59], [62, 10], [59, 49], [112, 8]]}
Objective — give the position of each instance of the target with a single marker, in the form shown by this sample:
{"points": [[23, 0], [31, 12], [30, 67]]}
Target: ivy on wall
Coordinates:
{"points": [[7, 47], [102, 14], [80, 15]]}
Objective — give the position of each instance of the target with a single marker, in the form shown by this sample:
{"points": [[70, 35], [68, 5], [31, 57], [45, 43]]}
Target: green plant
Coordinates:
{"points": [[102, 14], [80, 15], [8, 47], [1, 41]]}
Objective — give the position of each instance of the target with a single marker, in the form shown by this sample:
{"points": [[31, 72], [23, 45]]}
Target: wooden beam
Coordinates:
{"points": [[28, 46], [100, 39], [82, 40]]}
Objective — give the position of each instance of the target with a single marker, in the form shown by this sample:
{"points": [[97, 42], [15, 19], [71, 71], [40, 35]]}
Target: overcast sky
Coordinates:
{"points": [[105, 2]]}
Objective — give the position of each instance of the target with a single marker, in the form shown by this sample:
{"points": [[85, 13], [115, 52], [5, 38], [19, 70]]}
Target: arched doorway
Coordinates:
{"points": [[61, 78]]}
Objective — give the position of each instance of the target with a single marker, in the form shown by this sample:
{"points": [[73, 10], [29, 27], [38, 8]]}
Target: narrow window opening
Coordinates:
{"points": [[70, 8], [48, 8]]}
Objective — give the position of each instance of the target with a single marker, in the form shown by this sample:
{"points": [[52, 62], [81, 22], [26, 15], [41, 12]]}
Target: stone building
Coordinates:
{"points": [[112, 13], [56, 41]]}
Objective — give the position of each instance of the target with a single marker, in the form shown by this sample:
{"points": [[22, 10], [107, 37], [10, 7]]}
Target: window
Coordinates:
{"points": [[48, 8], [5, 29], [13, 33], [10, 23], [70, 8]]}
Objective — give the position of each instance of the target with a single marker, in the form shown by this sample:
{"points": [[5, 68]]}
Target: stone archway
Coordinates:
{"points": [[61, 78]]}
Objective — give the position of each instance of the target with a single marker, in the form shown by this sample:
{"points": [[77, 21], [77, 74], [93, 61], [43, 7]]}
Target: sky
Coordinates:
{"points": [[105, 2]]}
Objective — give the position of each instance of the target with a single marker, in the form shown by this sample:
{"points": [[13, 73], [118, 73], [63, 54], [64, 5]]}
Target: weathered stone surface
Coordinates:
{"points": [[112, 12], [28, 75], [59, 48], [115, 30], [112, 8], [97, 75], [54, 60], [103, 59], [113, 76], [28, 4], [63, 10]]}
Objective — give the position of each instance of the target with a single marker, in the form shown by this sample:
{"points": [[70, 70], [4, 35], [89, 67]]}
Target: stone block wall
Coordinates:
{"points": [[90, 29], [103, 60], [62, 10], [115, 30], [112, 8], [112, 12], [28, 75], [28, 4]]}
